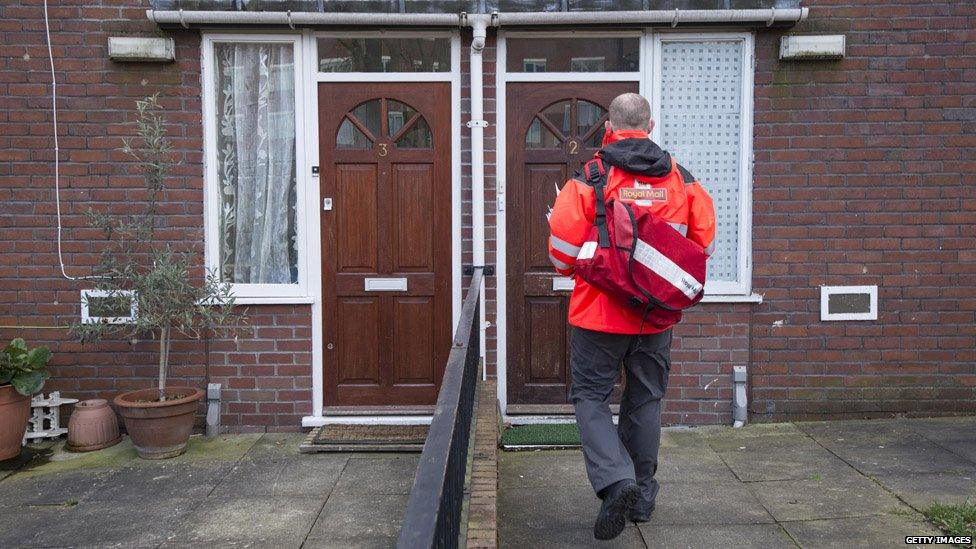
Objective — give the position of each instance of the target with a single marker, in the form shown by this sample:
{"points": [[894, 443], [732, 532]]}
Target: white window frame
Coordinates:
{"points": [[432, 76], [254, 293], [563, 76], [827, 291], [718, 290]]}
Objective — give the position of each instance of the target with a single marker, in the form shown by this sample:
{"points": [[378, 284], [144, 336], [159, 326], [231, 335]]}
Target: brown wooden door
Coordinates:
{"points": [[552, 129], [386, 241]]}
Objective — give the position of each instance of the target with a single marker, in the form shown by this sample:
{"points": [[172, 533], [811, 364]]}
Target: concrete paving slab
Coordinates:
{"points": [[20, 492], [359, 520], [922, 490], [683, 438], [707, 503], [827, 498], [877, 531], [762, 459], [517, 538], [945, 429], [544, 509], [258, 521], [691, 465], [917, 456], [58, 460], [765, 536], [276, 445], [541, 468], [97, 524], [857, 432], [386, 474], [219, 448], [162, 480], [313, 475]]}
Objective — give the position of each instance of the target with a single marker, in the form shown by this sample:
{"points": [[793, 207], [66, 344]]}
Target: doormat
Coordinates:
{"points": [[365, 438], [541, 436]]}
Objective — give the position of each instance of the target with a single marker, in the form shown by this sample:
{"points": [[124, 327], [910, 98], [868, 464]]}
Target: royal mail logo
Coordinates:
{"points": [[644, 194]]}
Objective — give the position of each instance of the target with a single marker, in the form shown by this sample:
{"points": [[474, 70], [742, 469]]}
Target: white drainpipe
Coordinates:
{"points": [[477, 124]]}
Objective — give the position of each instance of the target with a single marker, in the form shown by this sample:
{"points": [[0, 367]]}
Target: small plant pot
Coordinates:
{"points": [[92, 426], [159, 430], [14, 413]]}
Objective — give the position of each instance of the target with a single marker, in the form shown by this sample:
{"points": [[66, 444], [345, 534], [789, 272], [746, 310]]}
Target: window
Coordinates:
{"points": [[253, 198], [582, 54], [533, 65], [702, 100], [359, 54]]}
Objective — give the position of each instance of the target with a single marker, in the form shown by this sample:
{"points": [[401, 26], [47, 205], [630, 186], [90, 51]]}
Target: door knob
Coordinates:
{"points": [[330, 346]]}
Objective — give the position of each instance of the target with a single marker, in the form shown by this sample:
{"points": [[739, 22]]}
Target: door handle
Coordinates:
{"points": [[373, 284]]}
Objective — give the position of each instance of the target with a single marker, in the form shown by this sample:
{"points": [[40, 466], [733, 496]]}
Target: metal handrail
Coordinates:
{"points": [[433, 515]]}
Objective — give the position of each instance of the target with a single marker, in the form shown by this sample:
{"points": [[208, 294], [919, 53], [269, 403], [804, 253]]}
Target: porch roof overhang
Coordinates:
{"points": [[740, 17]]}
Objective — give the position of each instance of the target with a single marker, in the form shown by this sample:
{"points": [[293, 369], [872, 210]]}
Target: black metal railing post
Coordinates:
{"points": [[433, 515]]}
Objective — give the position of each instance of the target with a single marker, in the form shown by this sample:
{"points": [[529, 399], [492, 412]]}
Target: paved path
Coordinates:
{"points": [[837, 484], [244, 491]]}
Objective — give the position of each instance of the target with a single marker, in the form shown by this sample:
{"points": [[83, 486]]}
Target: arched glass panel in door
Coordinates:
{"points": [[573, 124], [385, 120]]}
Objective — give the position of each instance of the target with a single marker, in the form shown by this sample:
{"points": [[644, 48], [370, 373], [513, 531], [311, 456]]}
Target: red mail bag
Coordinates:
{"points": [[638, 258]]}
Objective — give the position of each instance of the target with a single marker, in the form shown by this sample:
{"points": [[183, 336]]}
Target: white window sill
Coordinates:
{"points": [[272, 300], [751, 298]]}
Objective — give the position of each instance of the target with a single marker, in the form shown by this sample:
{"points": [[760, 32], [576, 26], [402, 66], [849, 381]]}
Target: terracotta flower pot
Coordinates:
{"points": [[92, 426], [14, 412], [159, 430]]}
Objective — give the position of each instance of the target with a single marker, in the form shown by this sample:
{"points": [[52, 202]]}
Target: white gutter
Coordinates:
{"points": [[675, 17], [477, 124]]}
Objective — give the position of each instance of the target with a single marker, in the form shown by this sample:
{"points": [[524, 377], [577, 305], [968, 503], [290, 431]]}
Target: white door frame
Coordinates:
{"points": [[311, 80], [648, 73]]}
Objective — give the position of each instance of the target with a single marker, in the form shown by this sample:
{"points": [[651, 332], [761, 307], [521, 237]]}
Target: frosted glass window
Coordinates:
{"points": [[701, 117]]}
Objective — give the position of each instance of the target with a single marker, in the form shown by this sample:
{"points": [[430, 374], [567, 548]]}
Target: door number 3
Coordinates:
{"points": [[384, 149]]}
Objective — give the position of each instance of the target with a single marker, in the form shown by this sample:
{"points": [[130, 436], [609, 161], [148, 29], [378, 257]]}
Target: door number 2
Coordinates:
{"points": [[573, 146]]}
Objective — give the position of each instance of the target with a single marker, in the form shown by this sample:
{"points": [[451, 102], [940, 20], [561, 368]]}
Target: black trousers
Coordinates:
{"points": [[628, 450]]}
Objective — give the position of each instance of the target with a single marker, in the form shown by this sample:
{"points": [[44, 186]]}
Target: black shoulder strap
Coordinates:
{"points": [[686, 176], [596, 177]]}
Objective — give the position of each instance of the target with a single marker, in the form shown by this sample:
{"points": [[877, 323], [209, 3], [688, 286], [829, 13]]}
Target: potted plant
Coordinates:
{"points": [[22, 373], [153, 282]]}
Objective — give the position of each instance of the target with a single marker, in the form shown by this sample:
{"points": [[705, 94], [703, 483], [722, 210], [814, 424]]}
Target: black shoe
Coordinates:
{"points": [[620, 500], [641, 512]]}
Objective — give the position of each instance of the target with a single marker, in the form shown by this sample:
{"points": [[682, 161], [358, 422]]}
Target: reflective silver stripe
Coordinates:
{"points": [[646, 255], [559, 264], [681, 228], [710, 249], [563, 246]]}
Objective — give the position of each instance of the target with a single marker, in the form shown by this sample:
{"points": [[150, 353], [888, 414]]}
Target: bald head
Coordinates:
{"points": [[630, 111]]}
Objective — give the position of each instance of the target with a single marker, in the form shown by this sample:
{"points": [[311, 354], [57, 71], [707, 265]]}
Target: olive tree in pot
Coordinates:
{"points": [[22, 373], [154, 281]]}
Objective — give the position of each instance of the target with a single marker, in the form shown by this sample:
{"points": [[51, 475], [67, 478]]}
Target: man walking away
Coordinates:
{"points": [[621, 461]]}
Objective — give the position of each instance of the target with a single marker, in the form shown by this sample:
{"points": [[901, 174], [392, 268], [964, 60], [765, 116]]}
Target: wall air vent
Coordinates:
{"points": [[848, 303], [107, 307]]}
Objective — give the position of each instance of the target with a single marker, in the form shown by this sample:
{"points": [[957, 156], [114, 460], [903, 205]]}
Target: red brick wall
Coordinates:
{"points": [[864, 175], [266, 374], [861, 177]]}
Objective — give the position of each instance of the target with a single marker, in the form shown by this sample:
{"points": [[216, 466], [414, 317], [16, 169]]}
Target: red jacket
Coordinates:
{"points": [[643, 174]]}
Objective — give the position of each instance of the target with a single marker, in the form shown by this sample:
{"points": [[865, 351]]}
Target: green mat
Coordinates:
{"points": [[548, 434]]}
